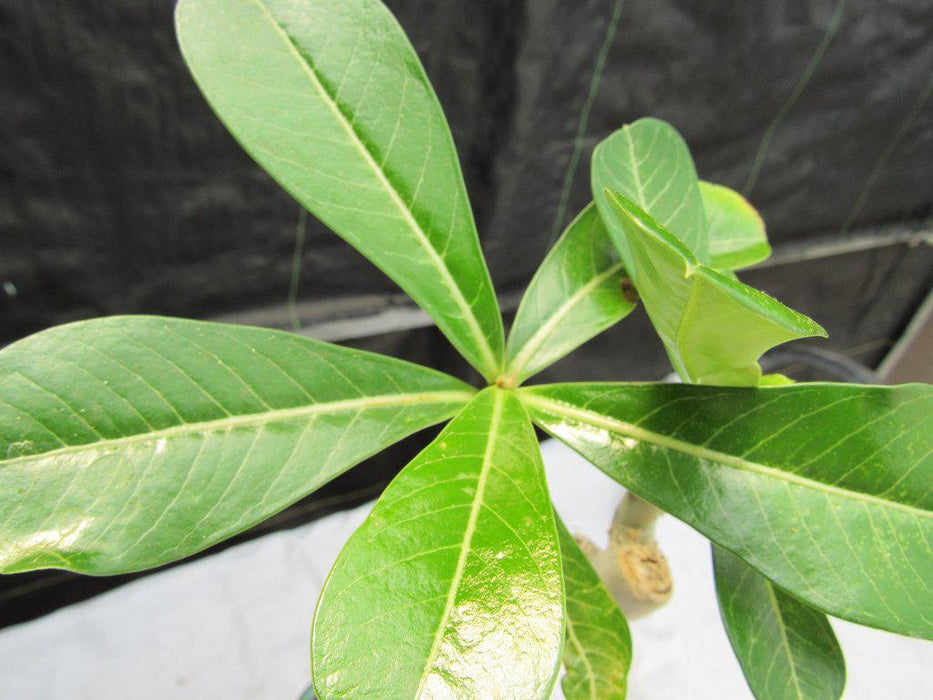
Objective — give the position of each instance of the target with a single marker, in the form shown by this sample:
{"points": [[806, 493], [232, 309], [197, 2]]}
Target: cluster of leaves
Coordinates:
{"points": [[129, 442]]}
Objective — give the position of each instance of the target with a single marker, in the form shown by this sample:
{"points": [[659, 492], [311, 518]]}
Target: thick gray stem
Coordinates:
{"points": [[632, 567], [634, 512]]}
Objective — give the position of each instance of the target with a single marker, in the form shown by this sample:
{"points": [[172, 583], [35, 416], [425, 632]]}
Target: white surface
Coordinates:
{"points": [[235, 625]]}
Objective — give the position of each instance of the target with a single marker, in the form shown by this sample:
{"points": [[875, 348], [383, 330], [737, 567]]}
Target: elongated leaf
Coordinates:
{"points": [[650, 163], [452, 587], [771, 633], [714, 327], [737, 236], [331, 99], [575, 295], [787, 650], [598, 651], [824, 488], [130, 442]]}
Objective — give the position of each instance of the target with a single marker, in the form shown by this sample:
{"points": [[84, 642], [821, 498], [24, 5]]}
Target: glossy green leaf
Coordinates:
{"points": [[129, 442], [787, 650], [452, 588], [598, 650], [331, 100], [650, 163], [824, 488], [575, 295], [737, 235], [714, 328]]}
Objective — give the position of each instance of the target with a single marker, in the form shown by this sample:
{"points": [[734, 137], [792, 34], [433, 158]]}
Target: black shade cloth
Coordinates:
{"points": [[120, 191]]}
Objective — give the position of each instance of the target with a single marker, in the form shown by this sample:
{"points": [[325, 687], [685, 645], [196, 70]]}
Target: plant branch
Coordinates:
{"points": [[632, 567]]}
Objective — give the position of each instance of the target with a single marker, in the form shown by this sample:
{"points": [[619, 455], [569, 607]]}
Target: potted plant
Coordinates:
{"points": [[130, 442]]}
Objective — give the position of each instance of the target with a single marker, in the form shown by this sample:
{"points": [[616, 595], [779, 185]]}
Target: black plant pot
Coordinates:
{"points": [[815, 365]]}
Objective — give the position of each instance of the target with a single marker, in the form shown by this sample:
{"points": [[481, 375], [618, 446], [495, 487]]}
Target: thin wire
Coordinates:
{"points": [[296, 269], [801, 85], [885, 156], [571, 173]]}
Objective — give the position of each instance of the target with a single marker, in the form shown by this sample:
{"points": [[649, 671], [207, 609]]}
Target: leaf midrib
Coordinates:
{"points": [[485, 468], [664, 441], [489, 357], [636, 173], [252, 419], [785, 642], [581, 654], [527, 351]]}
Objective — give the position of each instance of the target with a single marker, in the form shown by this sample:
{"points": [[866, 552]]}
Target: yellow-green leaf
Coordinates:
{"points": [[130, 442], [576, 294], [714, 327], [452, 588], [649, 163], [737, 235], [331, 100]]}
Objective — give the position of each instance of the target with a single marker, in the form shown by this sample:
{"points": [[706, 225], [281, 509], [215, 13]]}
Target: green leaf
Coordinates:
{"points": [[714, 328], [824, 488], [737, 235], [787, 649], [598, 651], [331, 100], [130, 442], [650, 163], [452, 587], [575, 295]]}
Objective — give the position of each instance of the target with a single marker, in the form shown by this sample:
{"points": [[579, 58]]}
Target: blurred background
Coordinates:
{"points": [[121, 192]]}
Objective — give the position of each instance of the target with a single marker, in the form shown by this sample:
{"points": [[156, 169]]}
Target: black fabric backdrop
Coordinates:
{"points": [[120, 192]]}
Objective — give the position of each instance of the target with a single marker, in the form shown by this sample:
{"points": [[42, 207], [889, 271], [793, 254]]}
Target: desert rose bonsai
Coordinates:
{"points": [[130, 442]]}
